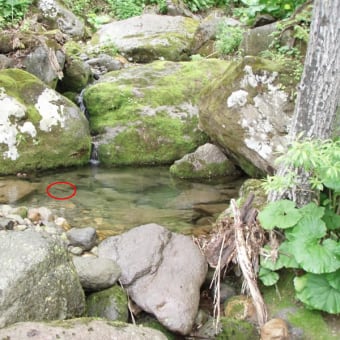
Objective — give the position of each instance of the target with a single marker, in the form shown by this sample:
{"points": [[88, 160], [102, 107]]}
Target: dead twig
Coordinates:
{"points": [[245, 264]]}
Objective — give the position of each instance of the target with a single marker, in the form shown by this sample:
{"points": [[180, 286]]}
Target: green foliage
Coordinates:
{"points": [[312, 233], [279, 9], [12, 11], [124, 9], [228, 38]]}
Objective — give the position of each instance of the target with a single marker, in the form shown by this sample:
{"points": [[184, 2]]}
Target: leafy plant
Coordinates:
{"points": [[311, 233], [12, 11], [279, 9], [228, 38]]}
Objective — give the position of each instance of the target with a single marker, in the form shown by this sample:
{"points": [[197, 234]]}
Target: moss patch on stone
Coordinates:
{"points": [[236, 330], [99, 303], [155, 105], [285, 305], [61, 146]]}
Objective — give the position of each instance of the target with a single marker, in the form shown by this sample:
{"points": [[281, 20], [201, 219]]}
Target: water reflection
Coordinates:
{"points": [[114, 200]]}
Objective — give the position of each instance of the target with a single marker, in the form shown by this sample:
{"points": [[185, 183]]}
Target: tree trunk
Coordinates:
{"points": [[319, 90]]}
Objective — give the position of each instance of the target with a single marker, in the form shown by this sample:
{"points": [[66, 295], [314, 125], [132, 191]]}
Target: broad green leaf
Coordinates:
{"points": [[331, 219], [308, 229], [268, 277], [317, 258], [334, 279], [333, 184], [312, 210], [316, 292], [286, 256], [281, 214]]}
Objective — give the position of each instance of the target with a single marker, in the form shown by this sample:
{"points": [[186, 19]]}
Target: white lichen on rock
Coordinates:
{"points": [[51, 112], [11, 110], [262, 119], [237, 98]]}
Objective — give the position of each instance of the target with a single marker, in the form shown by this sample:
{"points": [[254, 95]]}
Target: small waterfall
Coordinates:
{"points": [[94, 158]]}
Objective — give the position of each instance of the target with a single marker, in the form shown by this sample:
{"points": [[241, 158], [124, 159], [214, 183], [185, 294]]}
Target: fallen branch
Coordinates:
{"points": [[248, 271]]}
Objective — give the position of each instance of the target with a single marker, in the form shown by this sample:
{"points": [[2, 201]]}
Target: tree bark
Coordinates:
{"points": [[319, 90]]}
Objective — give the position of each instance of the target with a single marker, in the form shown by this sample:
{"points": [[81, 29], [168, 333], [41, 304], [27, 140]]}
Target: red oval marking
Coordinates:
{"points": [[51, 185]]}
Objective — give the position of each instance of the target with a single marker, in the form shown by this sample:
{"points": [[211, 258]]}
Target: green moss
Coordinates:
{"points": [[154, 324], [253, 186], [236, 330], [112, 298], [59, 147], [281, 299], [187, 170], [158, 140]]}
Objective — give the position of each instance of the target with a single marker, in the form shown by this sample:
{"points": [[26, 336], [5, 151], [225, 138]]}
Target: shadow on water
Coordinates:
{"points": [[115, 200]]}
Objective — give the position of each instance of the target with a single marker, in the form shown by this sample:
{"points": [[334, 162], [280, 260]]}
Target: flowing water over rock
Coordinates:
{"points": [[115, 200]]}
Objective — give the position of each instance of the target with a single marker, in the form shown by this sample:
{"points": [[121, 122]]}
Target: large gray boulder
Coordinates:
{"points": [[80, 329], [39, 128], [149, 37], [248, 110], [162, 272], [38, 280]]}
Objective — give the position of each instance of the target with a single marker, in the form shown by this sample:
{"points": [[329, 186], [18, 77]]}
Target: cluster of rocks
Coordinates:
{"points": [[161, 271], [53, 272]]}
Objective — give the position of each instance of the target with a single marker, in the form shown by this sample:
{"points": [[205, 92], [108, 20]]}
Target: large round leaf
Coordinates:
{"points": [[312, 210], [281, 214], [308, 229], [316, 292], [317, 258]]}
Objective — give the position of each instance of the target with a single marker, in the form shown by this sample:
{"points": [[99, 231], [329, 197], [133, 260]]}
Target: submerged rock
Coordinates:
{"points": [[162, 272], [39, 128], [12, 190]]}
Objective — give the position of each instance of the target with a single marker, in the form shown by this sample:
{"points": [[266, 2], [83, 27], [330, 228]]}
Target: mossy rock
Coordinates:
{"points": [[148, 114], [40, 128], [206, 162], [253, 186], [149, 37], [247, 110], [237, 330], [111, 304], [304, 323]]}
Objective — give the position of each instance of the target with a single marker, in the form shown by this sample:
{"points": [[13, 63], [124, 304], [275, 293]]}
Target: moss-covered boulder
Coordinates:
{"points": [[206, 162], [111, 304], [148, 114], [247, 111], [39, 128], [38, 279], [149, 37]]}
